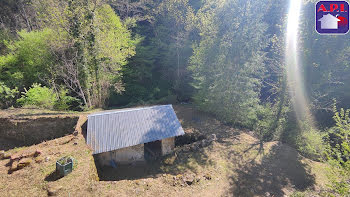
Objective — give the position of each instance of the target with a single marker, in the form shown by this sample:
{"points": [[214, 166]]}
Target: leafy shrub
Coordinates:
{"points": [[311, 144], [339, 179], [28, 59], [264, 124], [301, 135], [7, 95], [44, 97], [338, 151], [338, 138], [271, 120], [340, 187], [39, 96], [66, 102]]}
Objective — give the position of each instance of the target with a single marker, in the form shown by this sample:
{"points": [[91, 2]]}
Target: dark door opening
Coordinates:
{"points": [[153, 150]]}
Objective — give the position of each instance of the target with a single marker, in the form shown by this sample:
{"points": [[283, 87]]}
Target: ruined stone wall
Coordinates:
{"points": [[168, 145], [133, 154], [123, 156], [29, 131]]}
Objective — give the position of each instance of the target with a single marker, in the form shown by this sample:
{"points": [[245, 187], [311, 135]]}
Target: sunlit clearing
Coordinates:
{"points": [[294, 75]]}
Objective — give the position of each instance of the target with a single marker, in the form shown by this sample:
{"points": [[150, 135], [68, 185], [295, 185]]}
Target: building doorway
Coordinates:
{"points": [[153, 150]]}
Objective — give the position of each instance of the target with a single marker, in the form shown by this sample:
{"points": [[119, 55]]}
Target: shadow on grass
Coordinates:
{"points": [[185, 160], [53, 176], [8, 144], [281, 168], [127, 172]]}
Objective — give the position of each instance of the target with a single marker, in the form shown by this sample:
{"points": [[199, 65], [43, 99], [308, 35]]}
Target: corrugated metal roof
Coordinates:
{"points": [[112, 130]]}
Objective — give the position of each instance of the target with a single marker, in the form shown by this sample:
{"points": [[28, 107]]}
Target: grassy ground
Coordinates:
{"points": [[236, 164], [32, 112]]}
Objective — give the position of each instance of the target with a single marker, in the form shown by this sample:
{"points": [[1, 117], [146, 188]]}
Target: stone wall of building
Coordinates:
{"points": [[168, 145], [133, 154], [122, 156]]}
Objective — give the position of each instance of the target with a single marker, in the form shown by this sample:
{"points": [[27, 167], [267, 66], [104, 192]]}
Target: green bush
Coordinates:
{"points": [[338, 138], [338, 178], [265, 120], [338, 152], [271, 120], [7, 95], [301, 135], [44, 97], [340, 187], [28, 59], [39, 96], [310, 144], [66, 102]]}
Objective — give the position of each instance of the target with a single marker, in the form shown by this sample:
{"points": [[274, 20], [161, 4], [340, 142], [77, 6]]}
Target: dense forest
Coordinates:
{"points": [[226, 57]]}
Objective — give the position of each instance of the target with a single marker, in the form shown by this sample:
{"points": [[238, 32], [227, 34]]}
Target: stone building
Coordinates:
{"points": [[133, 135]]}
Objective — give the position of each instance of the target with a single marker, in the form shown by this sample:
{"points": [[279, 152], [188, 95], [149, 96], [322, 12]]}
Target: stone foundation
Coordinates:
{"points": [[122, 156], [168, 145], [133, 154]]}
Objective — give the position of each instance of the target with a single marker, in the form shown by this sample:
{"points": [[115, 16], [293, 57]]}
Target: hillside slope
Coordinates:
{"points": [[233, 164]]}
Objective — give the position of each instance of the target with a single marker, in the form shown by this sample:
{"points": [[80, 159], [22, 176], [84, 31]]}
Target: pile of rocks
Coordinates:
{"points": [[188, 179], [170, 159], [21, 160], [199, 144], [4, 155], [53, 190]]}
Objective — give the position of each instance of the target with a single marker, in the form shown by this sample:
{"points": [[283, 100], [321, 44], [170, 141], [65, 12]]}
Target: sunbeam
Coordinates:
{"points": [[293, 63]]}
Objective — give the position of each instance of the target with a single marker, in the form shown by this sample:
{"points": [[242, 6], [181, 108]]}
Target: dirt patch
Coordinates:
{"points": [[271, 169], [29, 131], [36, 179], [235, 164], [174, 164]]}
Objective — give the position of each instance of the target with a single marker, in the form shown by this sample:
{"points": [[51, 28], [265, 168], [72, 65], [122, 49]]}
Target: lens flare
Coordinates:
{"points": [[293, 63]]}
